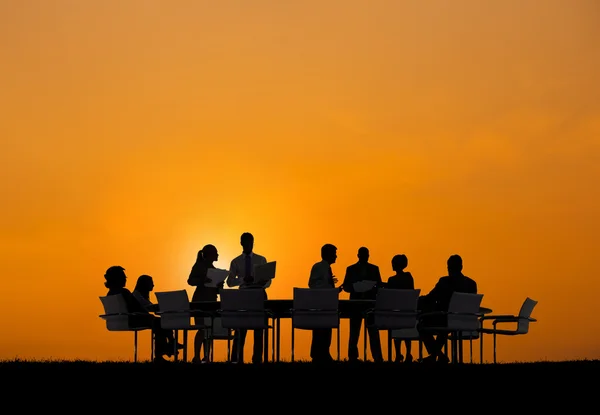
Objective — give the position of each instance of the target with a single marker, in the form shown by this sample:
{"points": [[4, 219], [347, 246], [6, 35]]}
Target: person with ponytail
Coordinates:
{"points": [[204, 260]]}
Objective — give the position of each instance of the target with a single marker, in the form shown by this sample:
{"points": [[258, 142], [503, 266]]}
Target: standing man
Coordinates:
{"points": [[241, 274], [362, 271], [321, 276]]}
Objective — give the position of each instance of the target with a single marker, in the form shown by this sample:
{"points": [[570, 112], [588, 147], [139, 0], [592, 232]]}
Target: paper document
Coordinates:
{"points": [[363, 286], [264, 272], [216, 276]]}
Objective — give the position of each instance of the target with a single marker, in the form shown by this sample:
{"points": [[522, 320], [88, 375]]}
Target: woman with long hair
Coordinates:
{"points": [[197, 278]]}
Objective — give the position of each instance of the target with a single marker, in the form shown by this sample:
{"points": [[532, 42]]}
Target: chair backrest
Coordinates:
{"points": [[396, 309], [174, 309], [315, 308], [524, 315], [463, 311], [115, 312], [243, 309], [217, 331]]}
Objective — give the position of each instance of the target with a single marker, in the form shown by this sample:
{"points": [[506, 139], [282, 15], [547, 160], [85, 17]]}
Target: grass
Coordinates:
{"points": [[539, 383]]}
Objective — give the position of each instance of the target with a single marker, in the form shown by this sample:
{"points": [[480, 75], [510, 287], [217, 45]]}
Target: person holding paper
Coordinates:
{"points": [[241, 274], [198, 278], [321, 276], [362, 281]]}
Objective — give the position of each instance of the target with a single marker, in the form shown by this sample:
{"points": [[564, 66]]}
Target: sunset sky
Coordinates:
{"points": [[136, 131]]}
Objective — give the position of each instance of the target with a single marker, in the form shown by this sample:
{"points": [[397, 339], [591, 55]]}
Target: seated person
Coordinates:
{"points": [[403, 280], [438, 299], [115, 282]]}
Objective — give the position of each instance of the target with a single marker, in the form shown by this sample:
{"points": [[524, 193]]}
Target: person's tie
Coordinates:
{"points": [[248, 272]]}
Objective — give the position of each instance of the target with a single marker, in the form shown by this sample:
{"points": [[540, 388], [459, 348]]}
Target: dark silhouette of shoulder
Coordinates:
{"points": [[462, 284], [133, 305], [402, 281]]}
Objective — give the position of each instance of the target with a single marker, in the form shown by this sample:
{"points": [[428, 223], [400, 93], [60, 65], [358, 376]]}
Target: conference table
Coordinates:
{"points": [[282, 308]]}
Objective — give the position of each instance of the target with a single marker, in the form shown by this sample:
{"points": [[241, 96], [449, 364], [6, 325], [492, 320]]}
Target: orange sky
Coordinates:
{"points": [[136, 132]]}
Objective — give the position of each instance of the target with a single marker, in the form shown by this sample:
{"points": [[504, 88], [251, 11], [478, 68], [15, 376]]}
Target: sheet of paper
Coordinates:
{"points": [[264, 272], [216, 276], [363, 286]]}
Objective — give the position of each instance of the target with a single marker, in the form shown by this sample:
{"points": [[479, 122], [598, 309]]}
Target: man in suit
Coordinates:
{"points": [[438, 299], [241, 274], [321, 276], [362, 271]]}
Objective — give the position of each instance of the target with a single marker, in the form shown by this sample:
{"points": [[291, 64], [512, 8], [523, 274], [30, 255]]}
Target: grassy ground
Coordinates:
{"points": [[341, 384]]}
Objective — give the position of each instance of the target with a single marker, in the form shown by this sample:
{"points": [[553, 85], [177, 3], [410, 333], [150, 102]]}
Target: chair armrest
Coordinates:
{"points": [[175, 311], [122, 314], [498, 316]]}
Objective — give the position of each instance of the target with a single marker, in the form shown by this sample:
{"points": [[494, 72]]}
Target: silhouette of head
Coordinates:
{"points": [[455, 265], [399, 262], [115, 277], [144, 284], [247, 242], [363, 255], [329, 253], [209, 253]]}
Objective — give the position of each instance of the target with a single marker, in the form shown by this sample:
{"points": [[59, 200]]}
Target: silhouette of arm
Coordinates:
{"points": [[437, 292], [318, 277], [411, 281], [197, 276], [233, 279], [378, 277], [133, 305]]}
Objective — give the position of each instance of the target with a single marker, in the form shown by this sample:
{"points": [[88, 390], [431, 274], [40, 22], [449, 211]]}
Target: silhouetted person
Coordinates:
{"points": [[141, 292], [403, 280], [438, 299], [241, 273], [321, 276], [362, 271], [197, 278], [115, 282]]}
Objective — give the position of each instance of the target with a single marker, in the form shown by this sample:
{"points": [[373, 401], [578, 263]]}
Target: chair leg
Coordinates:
{"points": [[228, 345], [365, 341], [480, 348], [278, 337], [420, 350], [292, 341], [185, 340], [494, 347], [471, 349], [152, 337], [338, 342], [389, 337], [266, 343], [135, 344]]}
